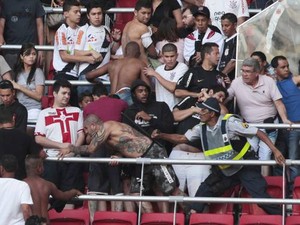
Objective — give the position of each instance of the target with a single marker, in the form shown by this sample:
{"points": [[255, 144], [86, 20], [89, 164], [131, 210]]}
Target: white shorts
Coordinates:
{"points": [[190, 176]]}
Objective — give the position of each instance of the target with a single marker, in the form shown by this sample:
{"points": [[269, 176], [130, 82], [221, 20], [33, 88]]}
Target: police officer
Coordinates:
{"points": [[226, 137]]}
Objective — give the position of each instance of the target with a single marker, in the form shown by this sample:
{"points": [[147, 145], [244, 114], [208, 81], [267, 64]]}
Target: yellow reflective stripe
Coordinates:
{"points": [[218, 150], [226, 116], [242, 152], [238, 156]]}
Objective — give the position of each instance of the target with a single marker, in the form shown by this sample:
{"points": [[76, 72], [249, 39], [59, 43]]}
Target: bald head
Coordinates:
{"points": [[132, 49], [92, 119]]}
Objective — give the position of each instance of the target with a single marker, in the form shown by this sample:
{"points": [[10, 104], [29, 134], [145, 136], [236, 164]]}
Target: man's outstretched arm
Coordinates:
{"points": [[173, 138]]}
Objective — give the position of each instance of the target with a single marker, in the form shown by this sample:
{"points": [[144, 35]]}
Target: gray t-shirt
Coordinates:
{"points": [[4, 67], [38, 79]]}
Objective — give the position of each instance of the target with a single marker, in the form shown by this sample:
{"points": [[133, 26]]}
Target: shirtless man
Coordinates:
{"points": [[137, 30], [123, 72], [131, 144], [42, 189]]}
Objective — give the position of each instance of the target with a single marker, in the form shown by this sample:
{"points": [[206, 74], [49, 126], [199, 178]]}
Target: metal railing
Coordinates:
{"points": [[121, 10], [183, 199]]}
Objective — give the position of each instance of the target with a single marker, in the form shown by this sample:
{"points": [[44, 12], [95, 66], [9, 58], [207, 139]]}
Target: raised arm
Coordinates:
{"points": [[90, 76], [170, 86], [181, 93]]}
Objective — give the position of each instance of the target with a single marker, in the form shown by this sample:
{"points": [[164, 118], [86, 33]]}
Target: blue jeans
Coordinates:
{"points": [[263, 150], [293, 151], [83, 88]]}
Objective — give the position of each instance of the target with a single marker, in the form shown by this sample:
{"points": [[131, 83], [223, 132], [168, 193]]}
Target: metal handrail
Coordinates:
{"points": [[120, 10], [188, 199], [148, 161]]}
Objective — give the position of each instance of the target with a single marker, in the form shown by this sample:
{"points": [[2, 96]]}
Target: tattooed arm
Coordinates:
{"points": [[97, 139]]}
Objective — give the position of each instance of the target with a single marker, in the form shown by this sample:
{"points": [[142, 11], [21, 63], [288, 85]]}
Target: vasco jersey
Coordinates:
{"points": [[61, 125], [64, 39], [93, 38]]}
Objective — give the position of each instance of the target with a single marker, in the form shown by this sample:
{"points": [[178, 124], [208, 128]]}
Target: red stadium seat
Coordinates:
{"points": [[292, 220], [162, 219], [224, 208], [274, 189], [70, 217], [212, 219], [296, 195], [115, 218], [261, 220]]}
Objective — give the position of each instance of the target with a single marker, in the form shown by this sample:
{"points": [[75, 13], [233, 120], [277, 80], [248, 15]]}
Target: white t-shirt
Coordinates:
{"points": [[93, 38], [162, 94], [13, 193], [217, 8], [64, 39], [61, 125]]}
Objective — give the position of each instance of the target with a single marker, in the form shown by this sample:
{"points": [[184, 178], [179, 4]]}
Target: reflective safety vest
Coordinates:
{"points": [[220, 147]]}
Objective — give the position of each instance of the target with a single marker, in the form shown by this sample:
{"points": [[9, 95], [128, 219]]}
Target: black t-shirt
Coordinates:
{"points": [[229, 53], [19, 144], [164, 10], [197, 78], [20, 113], [189, 122]]}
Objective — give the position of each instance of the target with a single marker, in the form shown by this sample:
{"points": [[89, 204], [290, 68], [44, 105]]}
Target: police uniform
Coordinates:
{"points": [[228, 140]]}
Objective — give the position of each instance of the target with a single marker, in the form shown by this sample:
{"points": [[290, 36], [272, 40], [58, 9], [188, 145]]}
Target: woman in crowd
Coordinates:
{"points": [[167, 33], [29, 80], [164, 9]]}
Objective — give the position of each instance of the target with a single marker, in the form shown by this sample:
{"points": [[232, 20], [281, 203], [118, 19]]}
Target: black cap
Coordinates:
{"points": [[211, 104], [202, 10]]}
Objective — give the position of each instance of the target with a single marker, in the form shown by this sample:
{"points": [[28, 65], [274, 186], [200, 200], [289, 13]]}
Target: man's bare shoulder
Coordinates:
{"points": [[38, 184], [137, 27], [136, 61]]}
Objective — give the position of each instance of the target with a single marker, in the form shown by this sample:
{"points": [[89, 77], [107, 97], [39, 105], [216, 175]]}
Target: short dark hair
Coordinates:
{"points": [[260, 55], [69, 3], [94, 4], [6, 84], [132, 49], [275, 60], [219, 88], [61, 83], [9, 163], [99, 89], [84, 94], [207, 48], [143, 4], [169, 47], [229, 16], [6, 115]]}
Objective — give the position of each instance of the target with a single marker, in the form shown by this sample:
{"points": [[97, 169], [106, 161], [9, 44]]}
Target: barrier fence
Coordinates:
{"points": [[148, 161], [183, 199]]}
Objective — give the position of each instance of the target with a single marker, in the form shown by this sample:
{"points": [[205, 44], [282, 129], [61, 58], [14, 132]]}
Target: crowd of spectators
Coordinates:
{"points": [[169, 58]]}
